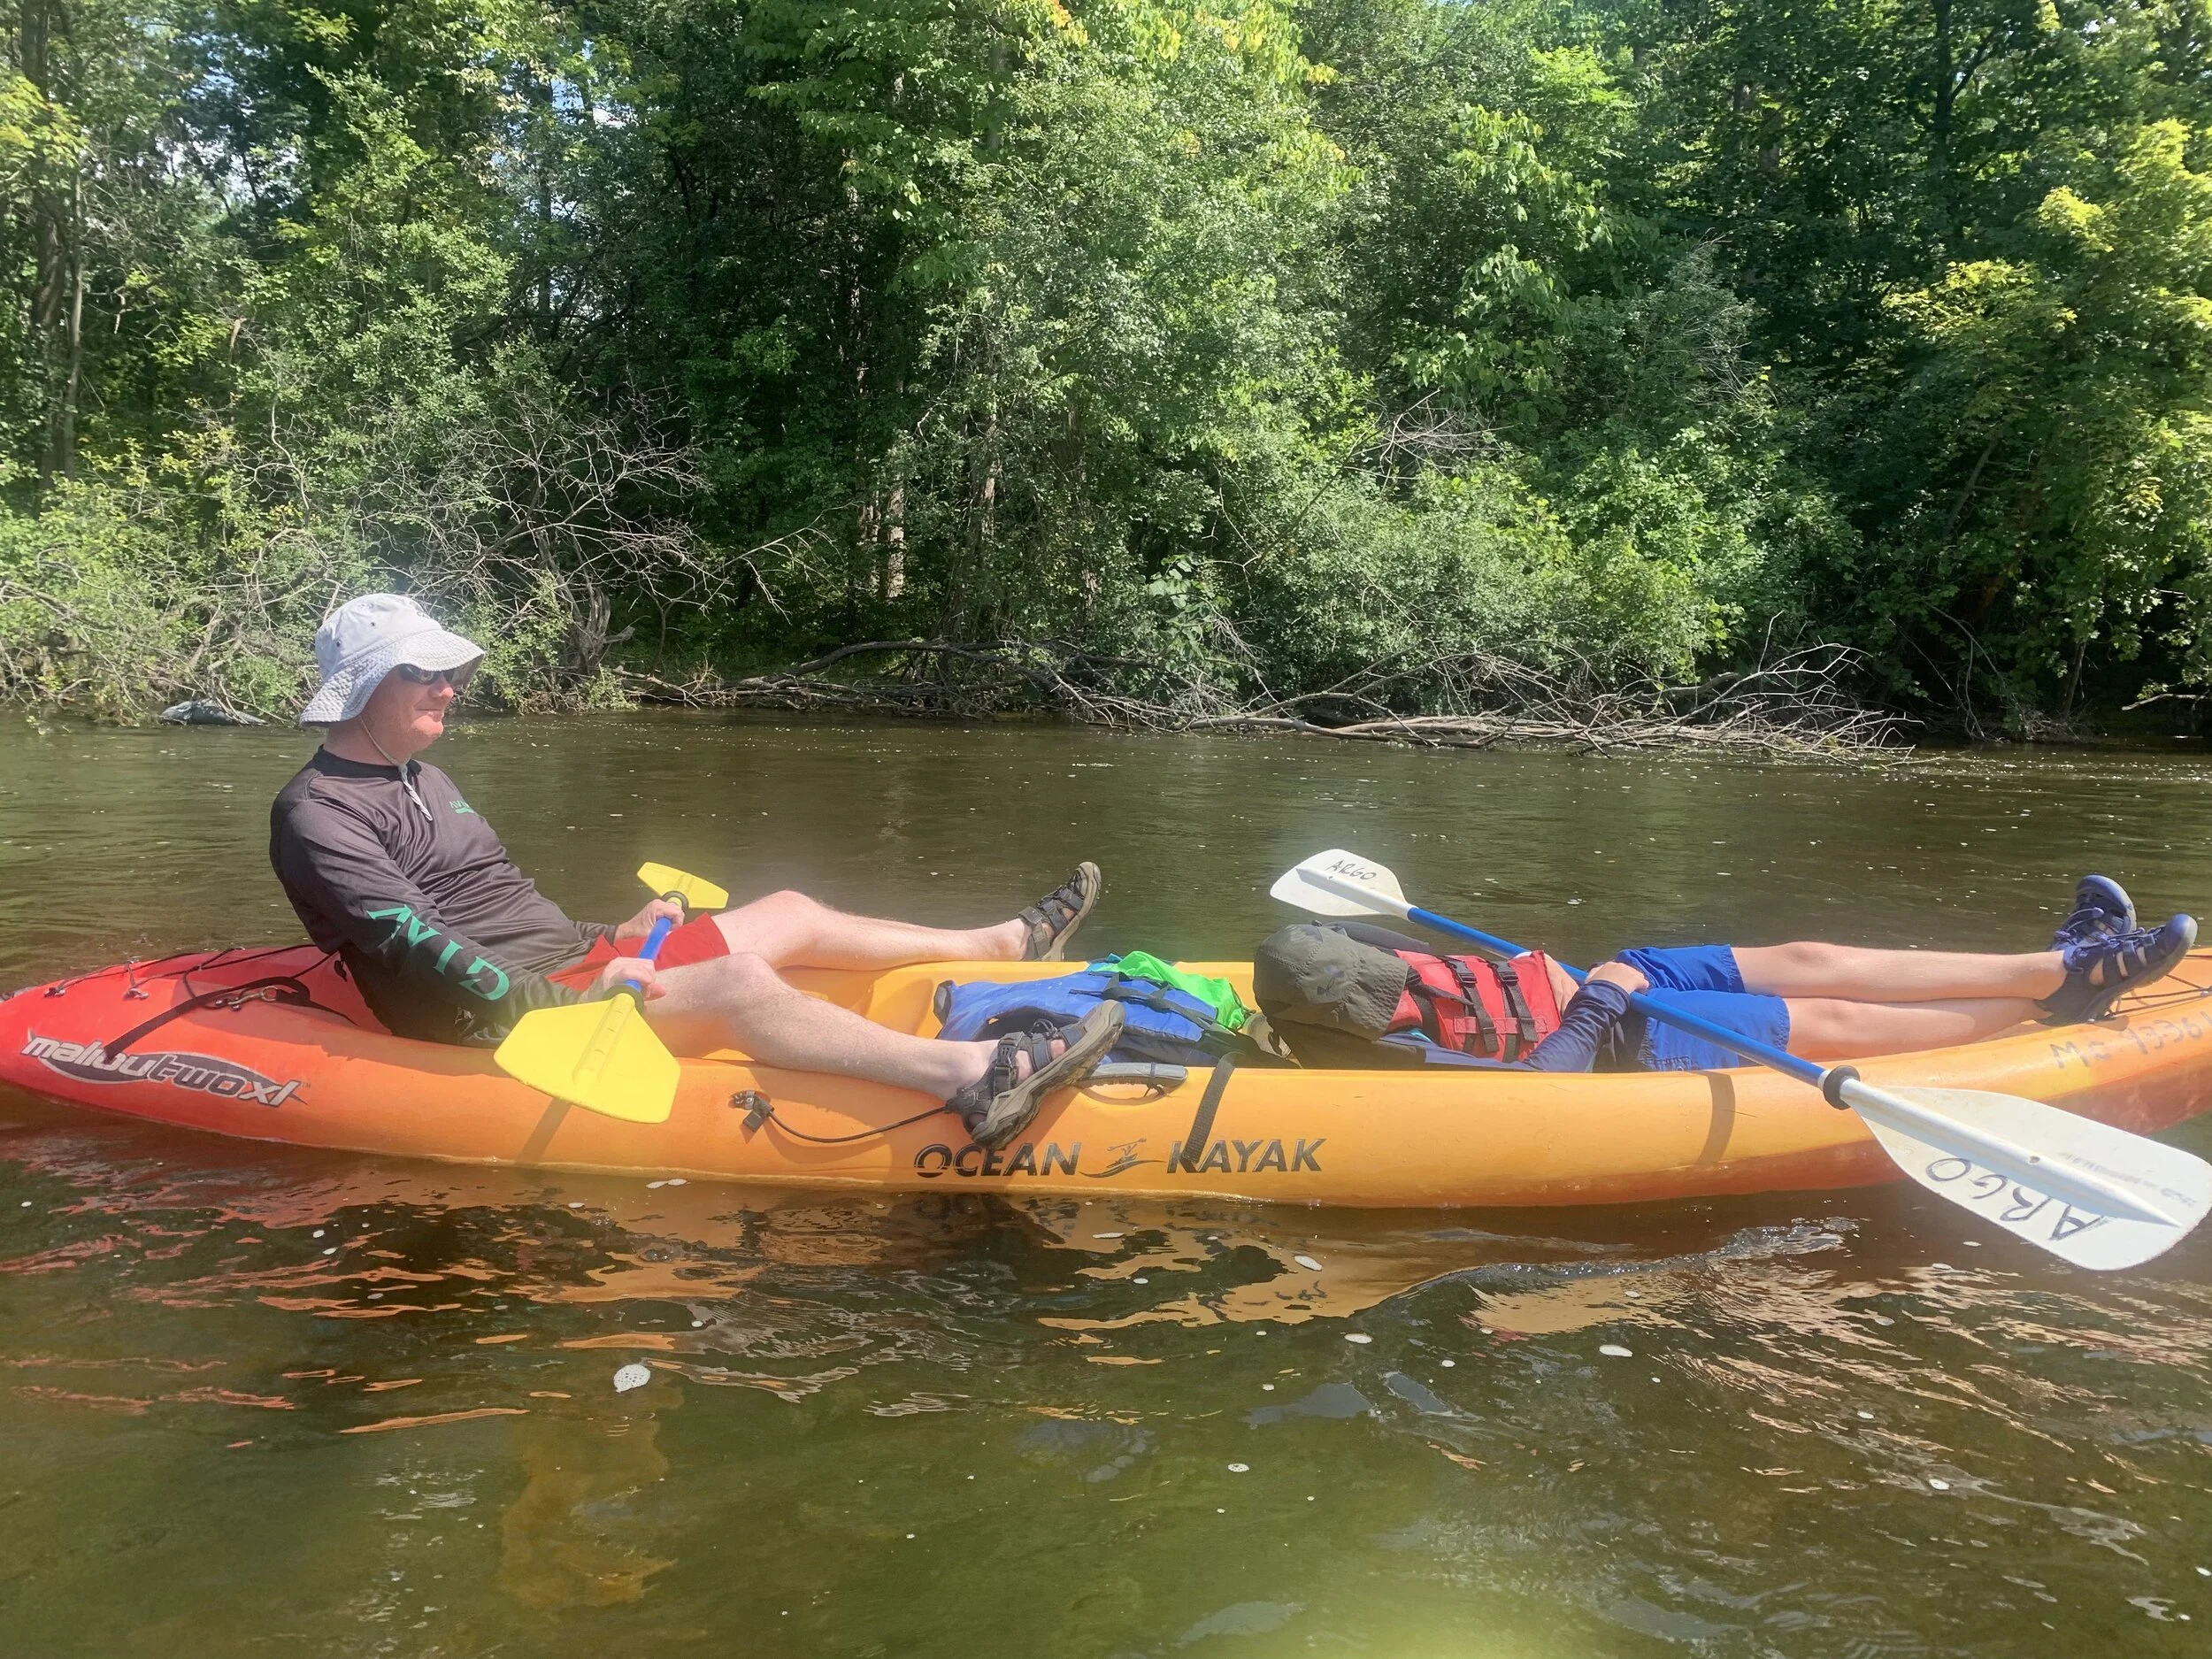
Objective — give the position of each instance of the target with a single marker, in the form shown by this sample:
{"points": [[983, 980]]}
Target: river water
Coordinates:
{"points": [[258, 1402]]}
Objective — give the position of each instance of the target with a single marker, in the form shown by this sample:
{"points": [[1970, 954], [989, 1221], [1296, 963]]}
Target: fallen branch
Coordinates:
{"points": [[2166, 696], [1799, 705]]}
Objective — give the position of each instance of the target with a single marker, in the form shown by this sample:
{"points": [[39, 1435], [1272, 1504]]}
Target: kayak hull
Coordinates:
{"points": [[260, 1064]]}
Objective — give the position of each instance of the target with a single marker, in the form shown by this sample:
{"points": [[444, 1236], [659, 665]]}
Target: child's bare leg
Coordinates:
{"points": [[1852, 974], [1827, 1028], [790, 930]]}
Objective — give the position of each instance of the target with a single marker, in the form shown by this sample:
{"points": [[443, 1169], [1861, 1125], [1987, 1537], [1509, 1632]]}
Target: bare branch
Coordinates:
{"points": [[1797, 706]]}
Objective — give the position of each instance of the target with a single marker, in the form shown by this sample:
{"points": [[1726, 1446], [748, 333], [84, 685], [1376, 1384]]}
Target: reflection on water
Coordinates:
{"points": [[592, 1465], [255, 1400]]}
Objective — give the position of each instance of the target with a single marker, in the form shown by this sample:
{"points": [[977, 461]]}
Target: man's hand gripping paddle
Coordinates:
{"points": [[602, 1055], [2097, 1196]]}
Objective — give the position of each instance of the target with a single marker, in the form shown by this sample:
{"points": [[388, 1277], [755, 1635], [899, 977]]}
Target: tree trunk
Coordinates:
{"points": [[1939, 117], [981, 509], [2073, 679], [1973, 479], [995, 124], [64, 458], [987, 487], [44, 218], [895, 541], [541, 95], [589, 638], [46, 214]]}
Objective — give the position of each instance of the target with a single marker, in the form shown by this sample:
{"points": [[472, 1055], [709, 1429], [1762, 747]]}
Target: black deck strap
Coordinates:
{"points": [[159, 968], [1213, 1036], [1202, 1126], [1832, 1082], [1516, 1000], [1488, 1033], [279, 988], [1144, 994]]}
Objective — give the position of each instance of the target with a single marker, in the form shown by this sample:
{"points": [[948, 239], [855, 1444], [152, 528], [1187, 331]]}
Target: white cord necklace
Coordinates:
{"points": [[405, 782]]}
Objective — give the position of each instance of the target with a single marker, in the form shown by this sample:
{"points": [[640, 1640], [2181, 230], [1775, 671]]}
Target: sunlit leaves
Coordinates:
{"points": [[2081, 374]]}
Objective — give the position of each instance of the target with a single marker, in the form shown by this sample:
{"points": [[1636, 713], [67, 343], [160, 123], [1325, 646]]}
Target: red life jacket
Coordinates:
{"points": [[1496, 1010]]}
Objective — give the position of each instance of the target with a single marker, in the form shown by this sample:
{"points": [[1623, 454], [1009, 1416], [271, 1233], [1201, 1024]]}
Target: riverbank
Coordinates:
{"points": [[1798, 705]]}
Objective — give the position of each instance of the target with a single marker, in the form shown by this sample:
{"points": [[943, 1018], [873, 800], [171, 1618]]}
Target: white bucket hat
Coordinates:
{"points": [[364, 640]]}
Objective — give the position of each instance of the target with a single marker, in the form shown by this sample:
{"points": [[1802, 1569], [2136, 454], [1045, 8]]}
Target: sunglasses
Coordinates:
{"points": [[456, 678]]}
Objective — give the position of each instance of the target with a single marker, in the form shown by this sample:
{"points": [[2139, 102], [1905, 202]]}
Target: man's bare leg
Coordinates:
{"points": [[790, 930], [739, 1001], [1848, 973], [1825, 1028]]}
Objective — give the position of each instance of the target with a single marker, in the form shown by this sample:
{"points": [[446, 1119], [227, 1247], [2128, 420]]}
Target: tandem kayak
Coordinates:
{"points": [[276, 1045]]}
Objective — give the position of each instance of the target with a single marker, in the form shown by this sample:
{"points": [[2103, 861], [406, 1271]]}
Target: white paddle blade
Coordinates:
{"points": [[1338, 883], [2091, 1195]]}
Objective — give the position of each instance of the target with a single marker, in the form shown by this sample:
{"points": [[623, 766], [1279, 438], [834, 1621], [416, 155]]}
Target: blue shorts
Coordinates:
{"points": [[1703, 979]]}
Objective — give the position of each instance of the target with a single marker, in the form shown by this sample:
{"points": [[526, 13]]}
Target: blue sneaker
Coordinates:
{"points": [[2102, 906], [2099, 971]]}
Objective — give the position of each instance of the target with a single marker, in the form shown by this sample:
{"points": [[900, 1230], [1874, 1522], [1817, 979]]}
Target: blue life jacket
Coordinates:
{"points": [[1163, 1024]]}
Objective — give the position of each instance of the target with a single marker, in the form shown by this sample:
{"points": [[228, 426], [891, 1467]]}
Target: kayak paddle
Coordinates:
{"points": [[604, 1055], [694, 893], [2097, 1197]]}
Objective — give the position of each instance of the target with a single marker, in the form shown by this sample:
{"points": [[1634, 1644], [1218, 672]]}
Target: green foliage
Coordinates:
{"points": [[2073, 382], [1269, 344], [131, 589], [1970, 229]]}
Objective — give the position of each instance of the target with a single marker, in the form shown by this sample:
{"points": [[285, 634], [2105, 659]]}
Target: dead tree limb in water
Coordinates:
{"points": [[1799, 704]]}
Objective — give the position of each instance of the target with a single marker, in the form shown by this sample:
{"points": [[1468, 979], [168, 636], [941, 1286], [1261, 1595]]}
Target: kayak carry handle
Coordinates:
{"points": [[1149, 1073]]}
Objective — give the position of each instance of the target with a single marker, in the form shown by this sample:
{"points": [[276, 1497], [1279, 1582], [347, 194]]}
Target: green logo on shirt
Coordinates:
{"points": [[409, 930], [462, 806]]}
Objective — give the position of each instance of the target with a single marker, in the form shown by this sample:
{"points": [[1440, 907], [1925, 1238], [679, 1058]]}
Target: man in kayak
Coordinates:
{"points": [[389, 866], [1820, 1000]]}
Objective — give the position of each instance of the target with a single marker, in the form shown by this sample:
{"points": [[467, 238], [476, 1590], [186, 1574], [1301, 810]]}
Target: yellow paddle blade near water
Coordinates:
{"points": [[696, 893], [601, 1056]]}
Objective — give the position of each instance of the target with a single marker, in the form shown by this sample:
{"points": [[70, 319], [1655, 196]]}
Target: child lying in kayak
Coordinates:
{"points": [[1337, 999]]}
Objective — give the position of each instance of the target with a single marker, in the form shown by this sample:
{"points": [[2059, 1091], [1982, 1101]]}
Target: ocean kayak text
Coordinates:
{"points": [[1225, 1157]]}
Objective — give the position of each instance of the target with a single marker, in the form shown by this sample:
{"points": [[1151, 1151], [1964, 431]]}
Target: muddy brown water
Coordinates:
{"points": [[256, 1400]]}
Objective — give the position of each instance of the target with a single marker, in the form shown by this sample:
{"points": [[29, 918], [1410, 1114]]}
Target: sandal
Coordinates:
{"points": [[1000, 1104], [2101, 907], [1054, 919], [2100, 971]]}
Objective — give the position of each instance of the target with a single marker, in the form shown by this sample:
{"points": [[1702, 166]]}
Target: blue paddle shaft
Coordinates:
{"points": [[1735, 1042], [651, 949]]}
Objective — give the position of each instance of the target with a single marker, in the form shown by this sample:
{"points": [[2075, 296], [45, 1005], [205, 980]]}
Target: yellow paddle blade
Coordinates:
{"points": [[601, 1056], [696, 893]]}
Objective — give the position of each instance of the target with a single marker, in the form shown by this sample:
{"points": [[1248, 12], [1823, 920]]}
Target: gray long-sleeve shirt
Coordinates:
{"points": [[449, 941]]}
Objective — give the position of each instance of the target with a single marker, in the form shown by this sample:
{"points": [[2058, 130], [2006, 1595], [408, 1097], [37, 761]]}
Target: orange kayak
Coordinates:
{"points": [[276, 1045]]}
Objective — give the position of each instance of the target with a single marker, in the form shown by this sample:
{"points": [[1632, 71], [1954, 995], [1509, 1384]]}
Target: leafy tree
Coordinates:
{"points": [[2070, 387], [1273, 345]]}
